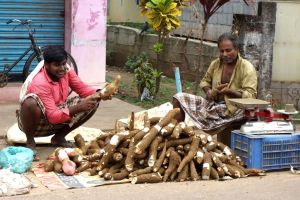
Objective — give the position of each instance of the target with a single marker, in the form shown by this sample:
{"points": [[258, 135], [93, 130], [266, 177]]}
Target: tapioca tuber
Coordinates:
{"points": [[94, 156], [153, 150], [57, 166], [110, 89], [131, 122], [176, 142], [188, 130], [141, 171], [49, 166], [68, 166], [210, 146], [184, 173], [147, 178], [214, 174], [93, 171], [147, 124], [80, 143], [186, 148], [159, 161], [117, 157], [169, 150], [129, 161], [192, 152], [148, 138], [254, 172], [178, 130], [154, 120], [199, 156], [83, 166], [225, 149], [174, 161], [207, 165], [168, 129], [110, 149], [193, 171], [102, 172], [120, 175]]}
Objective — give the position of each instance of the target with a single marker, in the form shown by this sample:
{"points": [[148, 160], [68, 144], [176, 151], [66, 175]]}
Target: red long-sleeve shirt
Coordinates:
{"points": [[54, 93]]}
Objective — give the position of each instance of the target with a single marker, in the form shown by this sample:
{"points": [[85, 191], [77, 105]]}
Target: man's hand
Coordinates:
{"points": [[211, 94], [225, 90], [231, 93], [87, 104], [221, 86]]}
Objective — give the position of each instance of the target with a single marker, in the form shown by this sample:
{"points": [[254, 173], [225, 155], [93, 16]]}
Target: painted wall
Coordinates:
{"points": [[86, 38], [124, 11], [287, 43]]}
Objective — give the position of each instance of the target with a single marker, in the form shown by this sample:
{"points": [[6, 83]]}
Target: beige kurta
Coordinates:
{"points": [[243, 79]]}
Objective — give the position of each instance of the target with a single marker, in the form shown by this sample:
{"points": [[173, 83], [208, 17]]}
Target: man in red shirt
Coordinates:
{"points": [[46, 109]]}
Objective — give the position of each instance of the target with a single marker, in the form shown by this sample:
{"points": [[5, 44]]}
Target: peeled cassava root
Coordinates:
{"points": [[106, 93], [158, 152]]}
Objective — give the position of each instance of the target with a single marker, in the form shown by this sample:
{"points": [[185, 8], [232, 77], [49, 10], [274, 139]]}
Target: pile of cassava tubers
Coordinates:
{"points": [[164, 150]]}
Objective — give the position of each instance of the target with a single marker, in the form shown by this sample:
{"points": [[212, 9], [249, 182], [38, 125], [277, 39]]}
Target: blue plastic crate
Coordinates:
{"points": [[268, 152]]}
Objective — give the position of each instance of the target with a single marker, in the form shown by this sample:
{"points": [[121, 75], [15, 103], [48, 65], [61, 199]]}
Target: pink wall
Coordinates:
{"points": [[85, 38]]}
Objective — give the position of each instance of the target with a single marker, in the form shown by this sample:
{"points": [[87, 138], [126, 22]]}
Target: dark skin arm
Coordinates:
{"points": [[85, 105], [221, 91], [208, 92], [231, 93]]}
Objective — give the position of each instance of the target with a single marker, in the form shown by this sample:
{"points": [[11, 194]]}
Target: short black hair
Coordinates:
{"points": [[228, 36], [54, 53]]}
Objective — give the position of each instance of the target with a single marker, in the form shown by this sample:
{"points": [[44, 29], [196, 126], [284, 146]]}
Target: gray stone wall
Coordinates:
{"points": [[124, 41], [218, 23], [257, 35]]}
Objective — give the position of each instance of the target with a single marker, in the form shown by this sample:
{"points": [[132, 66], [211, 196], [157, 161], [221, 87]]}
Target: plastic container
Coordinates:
{"points": [[268, 152]]}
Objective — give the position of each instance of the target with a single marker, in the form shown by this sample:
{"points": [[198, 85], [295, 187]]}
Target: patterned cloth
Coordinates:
{"points": [[205, 114], [45, 128]]}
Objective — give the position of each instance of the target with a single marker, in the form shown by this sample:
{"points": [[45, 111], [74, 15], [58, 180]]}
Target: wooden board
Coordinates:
{"points": [[249, 103]]}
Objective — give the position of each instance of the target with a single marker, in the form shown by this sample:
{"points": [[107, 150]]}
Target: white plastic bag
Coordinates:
{"points": [[13, 183]]}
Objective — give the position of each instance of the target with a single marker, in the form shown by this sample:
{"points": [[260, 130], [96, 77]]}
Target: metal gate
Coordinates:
{"points": [[47, 20]]}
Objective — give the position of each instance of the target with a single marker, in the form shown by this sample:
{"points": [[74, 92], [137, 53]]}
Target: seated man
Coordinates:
{"points": [[46, 108], [229, 76]]}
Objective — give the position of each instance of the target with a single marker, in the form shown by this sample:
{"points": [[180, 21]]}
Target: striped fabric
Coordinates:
{"points": [[45, 128], [206, 115]]}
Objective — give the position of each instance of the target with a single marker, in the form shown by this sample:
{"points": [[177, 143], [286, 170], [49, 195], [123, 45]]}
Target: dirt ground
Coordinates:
{"points": [[276, 185]]}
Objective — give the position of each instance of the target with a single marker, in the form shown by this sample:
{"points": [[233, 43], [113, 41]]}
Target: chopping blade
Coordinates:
{"points": [[260, 127]]}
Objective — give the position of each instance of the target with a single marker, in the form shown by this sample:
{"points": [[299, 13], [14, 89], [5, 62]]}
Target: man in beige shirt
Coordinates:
{"points": [[229, 76]]}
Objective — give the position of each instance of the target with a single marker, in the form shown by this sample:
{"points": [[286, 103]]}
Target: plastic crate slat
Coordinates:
{"points": [[268, 152]]}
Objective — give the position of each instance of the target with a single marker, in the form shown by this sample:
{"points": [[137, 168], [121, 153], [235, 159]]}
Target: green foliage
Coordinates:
{"points": [[134, 62], [163, 15], [144, 78], [158, 47]]}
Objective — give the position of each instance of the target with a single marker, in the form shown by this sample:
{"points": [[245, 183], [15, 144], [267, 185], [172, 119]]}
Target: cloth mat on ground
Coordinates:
{"points": [[55, 181], [15, 135]]}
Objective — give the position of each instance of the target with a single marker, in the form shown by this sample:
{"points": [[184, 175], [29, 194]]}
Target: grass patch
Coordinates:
{"points": [[128, 91]]}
